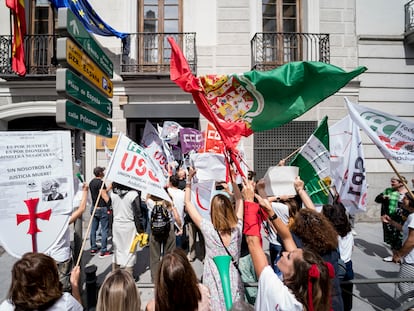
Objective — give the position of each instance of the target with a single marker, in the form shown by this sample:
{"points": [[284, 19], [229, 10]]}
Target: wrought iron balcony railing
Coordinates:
{"points": [[150, 53], [271, 50], [39, 56]]}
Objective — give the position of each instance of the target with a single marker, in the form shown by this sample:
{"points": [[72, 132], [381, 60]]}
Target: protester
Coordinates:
{"points": [[118, 293], [61, 252], [101, 217], [306, 281], [223, 235], [337, 216], [161, 244], [35, 286], [405, 255], [177, 287], [177, 196], [128, 222], [391, 205], [314, 231], [182, 175]]}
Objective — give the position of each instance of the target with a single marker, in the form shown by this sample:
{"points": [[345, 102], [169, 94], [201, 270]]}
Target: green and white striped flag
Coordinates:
{"points": [[313, 161]]}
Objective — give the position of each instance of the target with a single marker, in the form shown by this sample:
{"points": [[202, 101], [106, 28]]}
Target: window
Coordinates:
{"points": [[276, 144], [39, 42], [157, 19], [281, 17]]}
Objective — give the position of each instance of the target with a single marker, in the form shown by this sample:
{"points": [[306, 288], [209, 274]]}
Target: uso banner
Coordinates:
{"points": [[131, 165], [36, 189]]}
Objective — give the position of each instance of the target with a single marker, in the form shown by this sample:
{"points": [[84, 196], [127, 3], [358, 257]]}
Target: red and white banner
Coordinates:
{"points": [[201, 195], [348, 165], [36, 189], [213, 142], [133, 166], [393, 136]]}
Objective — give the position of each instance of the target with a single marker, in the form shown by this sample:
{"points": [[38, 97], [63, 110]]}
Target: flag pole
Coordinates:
{"points": [[90, 223], [292, 154], [97, 201], [400, 177]]}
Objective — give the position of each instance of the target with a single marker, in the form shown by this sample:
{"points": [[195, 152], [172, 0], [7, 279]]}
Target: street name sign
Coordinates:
{"points": [[71, 115], [69, 53], [68, 24], [68, 83]]}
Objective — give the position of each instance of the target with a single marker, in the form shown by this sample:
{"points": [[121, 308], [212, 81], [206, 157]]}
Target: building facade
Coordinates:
{"points": [[223, 37]]}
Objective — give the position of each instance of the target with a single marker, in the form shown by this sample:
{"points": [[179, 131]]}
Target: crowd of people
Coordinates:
{"points": [[310, 250]]}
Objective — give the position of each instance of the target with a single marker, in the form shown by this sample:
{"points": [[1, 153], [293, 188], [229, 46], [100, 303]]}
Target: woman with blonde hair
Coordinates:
{"points": [[190, 295], [223, 236], [118, 293]]}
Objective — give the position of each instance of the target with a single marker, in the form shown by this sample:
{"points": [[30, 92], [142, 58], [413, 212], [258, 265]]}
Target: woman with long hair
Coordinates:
{"points": [[177, 287], [35, 286], [306, 278], [223, 236], [314, 231], [336, 214], [118, 293]]}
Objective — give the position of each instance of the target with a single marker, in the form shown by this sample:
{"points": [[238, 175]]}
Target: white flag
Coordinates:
{"points": [[132, 165], [153, 144], [201, 196], [348, 165], [36, 182], [393, 136]]}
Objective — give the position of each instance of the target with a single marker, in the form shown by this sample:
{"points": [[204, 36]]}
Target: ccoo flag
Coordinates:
{"points": [[393, 136], [19, 29], [314, 164]]}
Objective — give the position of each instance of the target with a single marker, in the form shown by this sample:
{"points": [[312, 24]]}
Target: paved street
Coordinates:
{"points": [[367, 258]]}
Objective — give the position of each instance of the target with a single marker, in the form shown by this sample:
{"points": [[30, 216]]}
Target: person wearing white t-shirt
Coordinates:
{"points": [[306, 283], [405, 255]]}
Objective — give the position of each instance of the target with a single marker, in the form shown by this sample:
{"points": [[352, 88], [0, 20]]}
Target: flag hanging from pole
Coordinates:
{"points": [[393, 136], [89, 18], [19, 31], [314, 164], [348, 165], [255, 101]]}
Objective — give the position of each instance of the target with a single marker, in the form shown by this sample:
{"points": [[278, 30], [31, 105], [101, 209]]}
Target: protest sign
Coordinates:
{"points": [[36, 189], [132, 166]]}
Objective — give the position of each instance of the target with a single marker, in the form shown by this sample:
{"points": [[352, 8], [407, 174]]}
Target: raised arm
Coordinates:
{"points": [[300, 189], [251, 228], [282, 229], [189, 206], [82, 206]]}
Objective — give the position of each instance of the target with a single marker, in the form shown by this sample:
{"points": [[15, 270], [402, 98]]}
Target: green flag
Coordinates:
{"points": [[313, 161]]}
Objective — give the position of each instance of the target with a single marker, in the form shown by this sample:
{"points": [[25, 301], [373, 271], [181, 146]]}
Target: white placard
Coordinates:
{"points": [[279, 180]]}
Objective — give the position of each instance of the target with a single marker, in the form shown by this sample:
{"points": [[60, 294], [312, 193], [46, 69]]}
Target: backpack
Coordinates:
{"points": [[160, 221]]}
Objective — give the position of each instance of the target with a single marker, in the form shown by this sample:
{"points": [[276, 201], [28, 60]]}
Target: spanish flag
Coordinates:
{"points": [[19, 29]]}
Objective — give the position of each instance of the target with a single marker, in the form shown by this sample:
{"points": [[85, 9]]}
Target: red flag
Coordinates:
{"points": [[181, 74], [19, 29]]}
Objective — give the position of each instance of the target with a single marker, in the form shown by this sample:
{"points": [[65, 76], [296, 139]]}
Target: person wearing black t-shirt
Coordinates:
{"points": [[101, 213]]}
